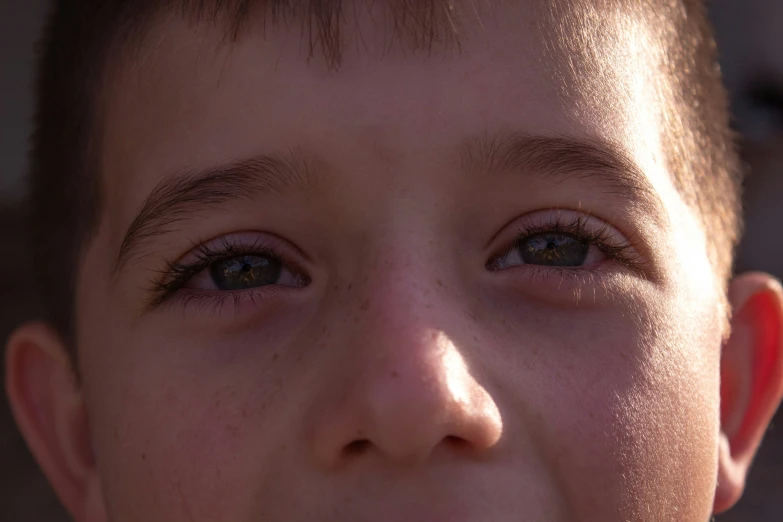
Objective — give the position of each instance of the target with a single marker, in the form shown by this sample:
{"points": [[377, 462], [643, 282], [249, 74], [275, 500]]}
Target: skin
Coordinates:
{"points": [[406, 381]]}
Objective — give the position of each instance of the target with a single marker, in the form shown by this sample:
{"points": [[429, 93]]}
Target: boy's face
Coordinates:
{"points": [[445, 299]]}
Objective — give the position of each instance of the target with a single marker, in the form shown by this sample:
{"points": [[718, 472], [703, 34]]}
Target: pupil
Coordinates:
{"points": [[553, 250], [242, 272]]}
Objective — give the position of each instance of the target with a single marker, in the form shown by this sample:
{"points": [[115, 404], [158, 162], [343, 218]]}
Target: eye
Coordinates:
{"points": [[553, 250], [564, 239], [246, 271], [232, 265], [242, 272], [550, 249]]}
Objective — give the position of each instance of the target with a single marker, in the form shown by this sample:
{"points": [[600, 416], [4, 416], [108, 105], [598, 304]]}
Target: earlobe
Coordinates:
{"points": [[751, 379], [48, 406]]}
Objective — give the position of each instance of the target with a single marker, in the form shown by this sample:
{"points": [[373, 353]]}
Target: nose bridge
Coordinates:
{"points": [[402, 312]]}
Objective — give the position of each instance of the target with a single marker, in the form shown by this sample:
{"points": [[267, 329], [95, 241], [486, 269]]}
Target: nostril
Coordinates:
{"points": [[356, 447], [457, 443]]}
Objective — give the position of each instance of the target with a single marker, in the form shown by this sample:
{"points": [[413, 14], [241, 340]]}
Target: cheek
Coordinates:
{"points": [[185, 441], [171, 413], [626, 415], [158, 447]]}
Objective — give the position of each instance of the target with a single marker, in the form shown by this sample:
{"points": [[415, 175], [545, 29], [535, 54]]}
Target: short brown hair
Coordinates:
{"points": [[82, 36]]}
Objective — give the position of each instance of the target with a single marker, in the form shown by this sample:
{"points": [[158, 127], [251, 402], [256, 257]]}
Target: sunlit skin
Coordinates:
{"points": [[409, 365]]}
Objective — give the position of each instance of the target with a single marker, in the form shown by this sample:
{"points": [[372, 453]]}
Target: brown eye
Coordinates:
{"points": [[553, 250], [550, 249], [245, 271]]}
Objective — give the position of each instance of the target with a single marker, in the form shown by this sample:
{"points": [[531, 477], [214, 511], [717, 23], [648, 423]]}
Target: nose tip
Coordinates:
{"points": [[418, 409], [410, 406]]}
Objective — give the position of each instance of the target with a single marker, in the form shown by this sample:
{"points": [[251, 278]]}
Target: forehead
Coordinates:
{"points": [[188, 96]]}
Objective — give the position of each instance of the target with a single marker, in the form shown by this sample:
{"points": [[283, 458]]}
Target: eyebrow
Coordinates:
{"points": [[560, 159], [189, 192]]}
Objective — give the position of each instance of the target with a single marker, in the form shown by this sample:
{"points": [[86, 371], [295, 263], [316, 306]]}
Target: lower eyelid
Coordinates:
{"points": [[559, 285], [212, 305]]}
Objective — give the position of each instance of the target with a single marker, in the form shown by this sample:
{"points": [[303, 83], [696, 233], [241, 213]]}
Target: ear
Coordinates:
{"points": [[49, 409], [751, 379]]}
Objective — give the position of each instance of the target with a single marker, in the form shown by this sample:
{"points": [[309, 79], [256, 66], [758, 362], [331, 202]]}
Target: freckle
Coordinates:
{"points": [[244, 413], [350, 285], [336, 287], [143, 456], [440, 283], [365, 305], [275, 356], [394, 374]]}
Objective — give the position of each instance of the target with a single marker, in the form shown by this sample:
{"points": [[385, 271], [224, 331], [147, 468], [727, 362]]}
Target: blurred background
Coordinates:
{"points": [[750, 39]]}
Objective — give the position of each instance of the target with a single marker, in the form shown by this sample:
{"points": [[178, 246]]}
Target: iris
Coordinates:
{"points": [[246, 271], [553, 250]]}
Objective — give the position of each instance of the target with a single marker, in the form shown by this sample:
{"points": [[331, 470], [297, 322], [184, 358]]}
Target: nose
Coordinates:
{"points": [[404, 392]]}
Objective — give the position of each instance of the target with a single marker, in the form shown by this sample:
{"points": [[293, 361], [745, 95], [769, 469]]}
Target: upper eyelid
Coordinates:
{"points": [[207, 254], [565, 220], [269, 241]]}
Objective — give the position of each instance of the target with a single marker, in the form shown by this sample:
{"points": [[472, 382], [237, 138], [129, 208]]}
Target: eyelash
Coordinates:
{"points": [[176, 274], [602, 238]]}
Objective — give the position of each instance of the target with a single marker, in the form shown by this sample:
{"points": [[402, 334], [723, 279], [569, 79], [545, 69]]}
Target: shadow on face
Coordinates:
{"points": [[428, 287]]}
